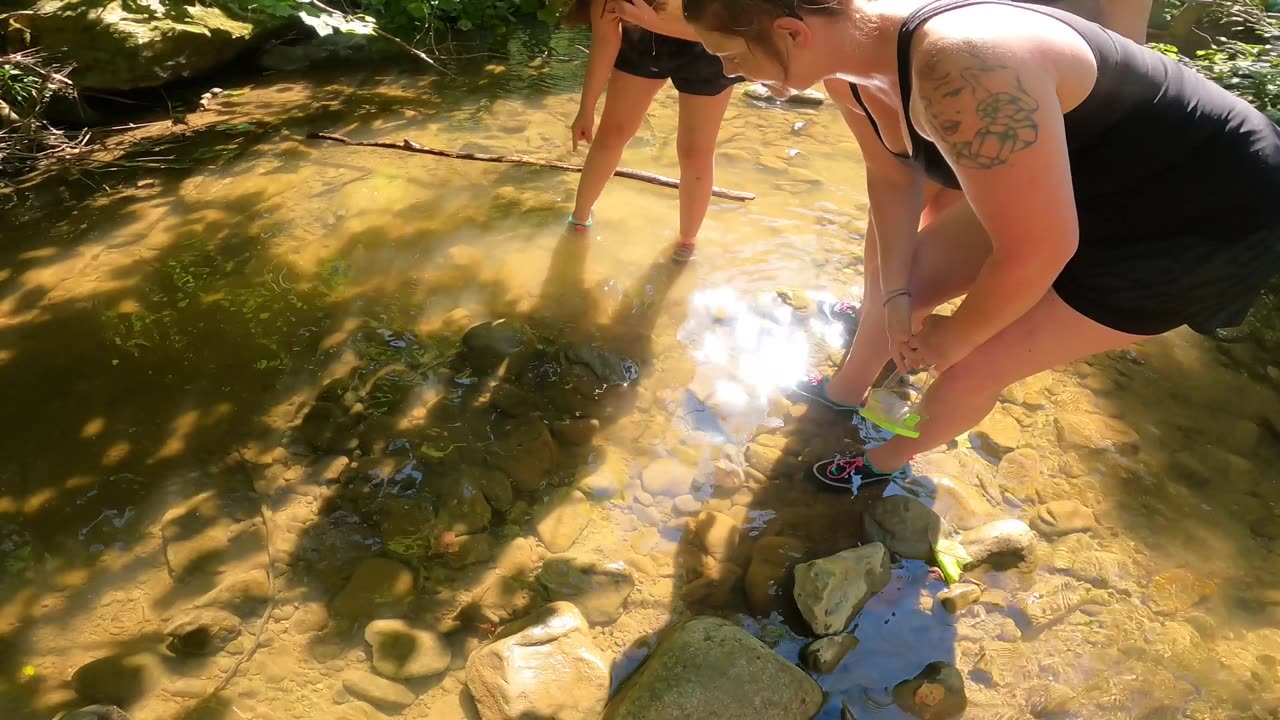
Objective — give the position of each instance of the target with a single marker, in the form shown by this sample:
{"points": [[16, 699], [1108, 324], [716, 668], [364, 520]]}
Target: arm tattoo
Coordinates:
{"points": [[979, 110]]}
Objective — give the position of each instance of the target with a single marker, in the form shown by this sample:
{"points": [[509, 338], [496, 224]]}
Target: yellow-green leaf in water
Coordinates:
{"points": [[950, 557]]}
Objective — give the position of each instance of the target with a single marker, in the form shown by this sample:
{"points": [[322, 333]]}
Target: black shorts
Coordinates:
{"points": [[692, 69], [1151, 288]]}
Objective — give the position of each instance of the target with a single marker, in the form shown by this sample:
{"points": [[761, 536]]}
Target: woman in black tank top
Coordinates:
{"points": [[1063, 136], [636, 46]]}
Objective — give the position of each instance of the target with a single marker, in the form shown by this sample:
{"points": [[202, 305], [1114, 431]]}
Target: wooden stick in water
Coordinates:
{"points": [[413, 147]]}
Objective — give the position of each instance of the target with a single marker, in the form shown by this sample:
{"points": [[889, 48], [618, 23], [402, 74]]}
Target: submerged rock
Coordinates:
{"points": [[667, 477], [97, 712], [963, 506], [1090, 431], [118, 679], [201, 631], [486, 345], [544, 666], [710, 669], [1062, 517], [379, 587], [402, 652], [717, 534], [1006, 539], [997, 435], [771, 559], [598, 591], [904, 525], [936, 693], [377, 691], [959, 596], [823, 656], [831, 591], [524, 450], [1020, 475], [561, 518]]}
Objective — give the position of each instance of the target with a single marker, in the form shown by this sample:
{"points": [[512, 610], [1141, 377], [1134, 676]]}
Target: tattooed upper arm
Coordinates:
{"points": [[976, 109]]}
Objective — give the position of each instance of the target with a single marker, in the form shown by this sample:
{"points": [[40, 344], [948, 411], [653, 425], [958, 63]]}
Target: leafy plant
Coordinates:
{"points": [[1245, 56]]}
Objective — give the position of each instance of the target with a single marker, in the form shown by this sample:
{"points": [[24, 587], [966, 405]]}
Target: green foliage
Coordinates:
{"points": [[18, 88], [1245, 57], [403, 16]]}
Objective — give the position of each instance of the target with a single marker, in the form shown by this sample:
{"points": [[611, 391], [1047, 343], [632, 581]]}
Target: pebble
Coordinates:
{"points": [[377, 691], [959, 596], [644, 498], [687, 505], [1062, 517]]}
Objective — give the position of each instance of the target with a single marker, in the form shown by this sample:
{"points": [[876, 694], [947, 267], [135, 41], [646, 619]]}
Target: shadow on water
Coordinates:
{"points": [[156, 393]]}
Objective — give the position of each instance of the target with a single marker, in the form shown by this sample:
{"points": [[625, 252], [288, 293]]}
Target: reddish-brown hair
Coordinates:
{"points": [[752, 20], [579, 13]]}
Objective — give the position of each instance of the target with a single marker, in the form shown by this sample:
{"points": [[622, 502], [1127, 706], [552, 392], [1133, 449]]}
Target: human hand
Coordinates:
{"points": [[933, 346], [636, 12], [582, 127]]}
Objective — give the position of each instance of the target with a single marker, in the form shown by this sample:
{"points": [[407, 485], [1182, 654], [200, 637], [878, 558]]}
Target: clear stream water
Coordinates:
{"points": [[163, 337]]}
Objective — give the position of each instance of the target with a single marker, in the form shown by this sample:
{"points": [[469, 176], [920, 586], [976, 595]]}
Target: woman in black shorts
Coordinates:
{"points": [[635, 48], [1114, 194]]}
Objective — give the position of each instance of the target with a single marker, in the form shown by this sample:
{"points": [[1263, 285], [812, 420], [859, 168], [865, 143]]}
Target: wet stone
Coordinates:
{"points": [[831, 591], [717, 534], [97, 712], [823, 656], [201, 631], [379, 587], [710, 669], [1062, 517], [937, 693], [496, 488], [607, 480], [686, 505], [597, 590], [576, 431], [561, 518], [1177, 591], [904, 525], [402, 652], [1020, 475], [667, 477], [377, 691], [1090, 431], [959, 596], [118, 679], [772, 558], [997, 435], [544, 666], [1008, 540]]}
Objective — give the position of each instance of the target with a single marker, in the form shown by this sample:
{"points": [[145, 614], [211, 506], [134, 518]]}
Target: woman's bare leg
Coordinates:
{"points": [[1051, 334], [949, 253], [699, 125], [625, 104]]}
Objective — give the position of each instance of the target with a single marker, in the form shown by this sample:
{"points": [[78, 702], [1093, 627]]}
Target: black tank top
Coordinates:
{"points": [[1154, 147]]}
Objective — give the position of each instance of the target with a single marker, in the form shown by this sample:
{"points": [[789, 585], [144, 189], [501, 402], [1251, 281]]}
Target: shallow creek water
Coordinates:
{"points": [[258, 363]]}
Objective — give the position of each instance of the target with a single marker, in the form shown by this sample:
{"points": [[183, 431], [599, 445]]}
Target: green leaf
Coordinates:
{"points": [[950, 557]]}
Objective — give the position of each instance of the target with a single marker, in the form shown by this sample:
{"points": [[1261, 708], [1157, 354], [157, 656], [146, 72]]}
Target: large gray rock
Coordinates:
{"points": [[116, 45], [544, 666], [831, 591], [710, 669]]}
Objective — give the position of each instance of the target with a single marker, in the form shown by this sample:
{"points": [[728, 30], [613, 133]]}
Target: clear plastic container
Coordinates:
{"points": [[895, 406]]}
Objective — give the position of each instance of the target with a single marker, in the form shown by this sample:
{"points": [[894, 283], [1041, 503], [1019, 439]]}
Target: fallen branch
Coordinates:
{"points": [[413, 147]]}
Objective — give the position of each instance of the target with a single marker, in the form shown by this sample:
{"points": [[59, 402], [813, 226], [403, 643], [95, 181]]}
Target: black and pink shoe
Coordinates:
{"points": [[842, 311], [848, 471]]}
